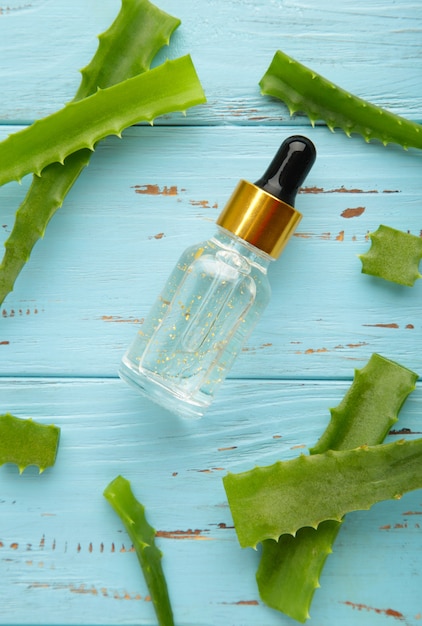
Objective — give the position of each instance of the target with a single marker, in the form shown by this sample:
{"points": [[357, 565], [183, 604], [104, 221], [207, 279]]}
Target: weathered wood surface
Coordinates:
{"points": [[144, 198], [64, 557]]}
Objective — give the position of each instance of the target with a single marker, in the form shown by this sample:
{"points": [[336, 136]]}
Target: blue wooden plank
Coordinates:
{"points": [[66, 559], [64, 556], [143, 199], [371, 48]]}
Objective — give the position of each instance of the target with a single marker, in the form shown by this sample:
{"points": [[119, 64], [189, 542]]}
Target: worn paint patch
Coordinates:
{"points": [[155, 190], [18, 312], [254, 348], [171, 191], [247, 603], [327, 236], [338, 347], [21, 8], [242, 603], [393, 325], [157, 236], [405, 431], [203, 204], [353, 212], [365, 607], [91, 548], [223, 526], [313, 351], [122, 320], [343, 189], [402, 526], [195, 534], [383, 325], [208, 470], [92, 590], [123, 549]]}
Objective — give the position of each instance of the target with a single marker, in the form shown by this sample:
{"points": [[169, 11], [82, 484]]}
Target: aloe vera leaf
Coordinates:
{"points": [[370, 407], [132, 513], [127, 48], [44, 197], [302, 89], [26, 442], [305, 491], [172, 86], [394, 255], [289, 569]]}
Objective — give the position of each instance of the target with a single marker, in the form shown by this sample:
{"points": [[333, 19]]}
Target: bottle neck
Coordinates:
{"points": [[253, 255]]}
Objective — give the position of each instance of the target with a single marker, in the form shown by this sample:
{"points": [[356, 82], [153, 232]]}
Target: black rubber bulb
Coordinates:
{"points": [[289, 168]]}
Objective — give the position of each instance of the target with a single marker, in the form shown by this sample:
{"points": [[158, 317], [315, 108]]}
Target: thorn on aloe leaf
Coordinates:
{"points": [[302, 89]]}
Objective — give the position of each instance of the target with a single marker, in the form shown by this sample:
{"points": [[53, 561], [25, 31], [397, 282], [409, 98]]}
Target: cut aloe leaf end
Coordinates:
{"points": [[394, 256], [26, 442], [370, 407]]}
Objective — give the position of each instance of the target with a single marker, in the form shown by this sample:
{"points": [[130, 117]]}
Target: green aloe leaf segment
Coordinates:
{"points": [[124, 53]]}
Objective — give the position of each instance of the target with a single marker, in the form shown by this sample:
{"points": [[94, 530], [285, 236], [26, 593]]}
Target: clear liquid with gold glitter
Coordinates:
{"points": [[199, 323]]}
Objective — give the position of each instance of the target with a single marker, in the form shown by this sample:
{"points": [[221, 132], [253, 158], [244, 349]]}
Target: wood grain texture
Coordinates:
{"points": [[63, 548], [143, 199], [64, 556], [361, 45]]}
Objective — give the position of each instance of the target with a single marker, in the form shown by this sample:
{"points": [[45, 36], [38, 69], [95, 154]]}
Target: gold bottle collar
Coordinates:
{"points": [[259, 218]]}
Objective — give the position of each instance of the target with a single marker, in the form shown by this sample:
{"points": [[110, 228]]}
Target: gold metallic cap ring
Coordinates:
{"points": [[259, 218]]}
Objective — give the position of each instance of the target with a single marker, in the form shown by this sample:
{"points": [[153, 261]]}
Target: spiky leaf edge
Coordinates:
{"points": [[304, 90], [127, 48], [308, 490], [290, 568], [132, 513], [172, 86]]}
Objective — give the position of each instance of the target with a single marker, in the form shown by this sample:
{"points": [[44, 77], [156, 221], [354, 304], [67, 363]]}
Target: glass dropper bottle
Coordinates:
{"points": [[218, 290]]}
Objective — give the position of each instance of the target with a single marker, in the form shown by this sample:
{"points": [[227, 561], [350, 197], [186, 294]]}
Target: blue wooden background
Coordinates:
{"points": [[64, 556]]}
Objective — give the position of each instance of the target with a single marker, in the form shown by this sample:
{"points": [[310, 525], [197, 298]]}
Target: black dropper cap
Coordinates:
{"points": [[289, 168]]}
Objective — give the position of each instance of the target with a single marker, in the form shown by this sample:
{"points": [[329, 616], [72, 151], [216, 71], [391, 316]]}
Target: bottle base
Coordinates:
{"points": [[166, 397]]}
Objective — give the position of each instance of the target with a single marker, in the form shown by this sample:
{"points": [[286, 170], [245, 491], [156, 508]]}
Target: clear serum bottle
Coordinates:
{"points": [[218, 290]]}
